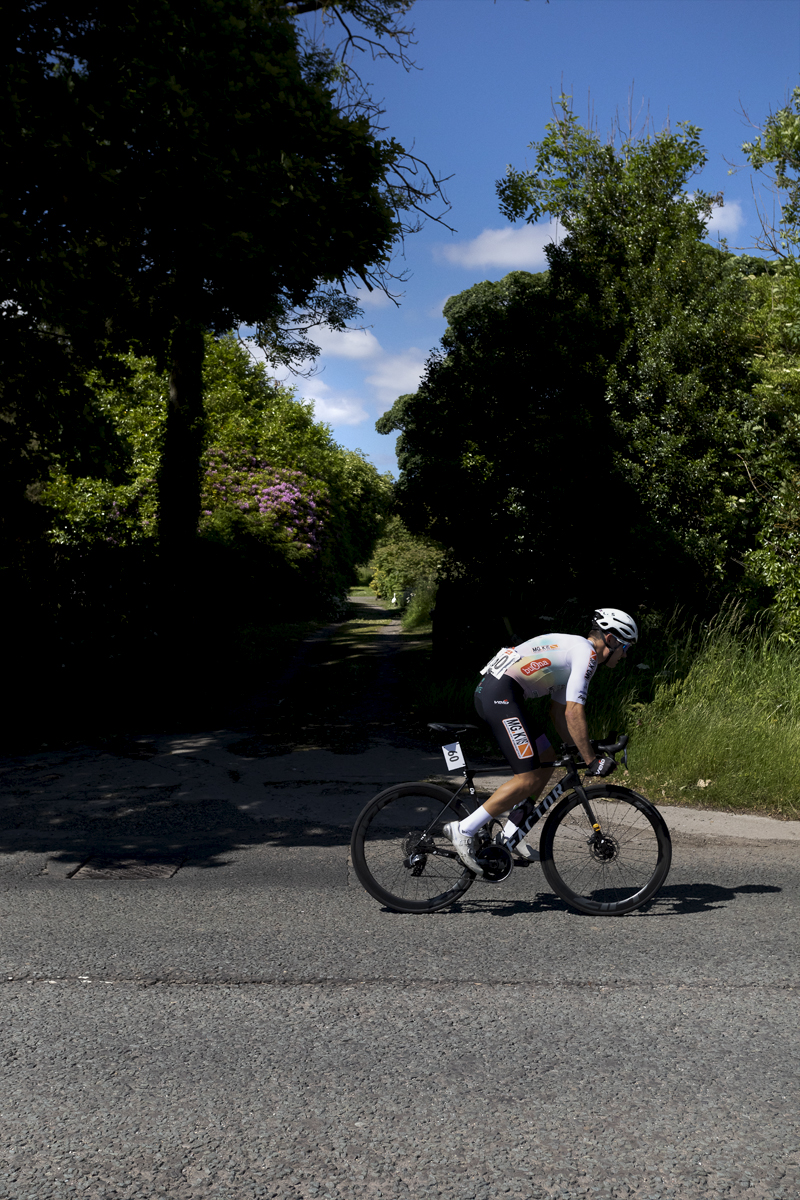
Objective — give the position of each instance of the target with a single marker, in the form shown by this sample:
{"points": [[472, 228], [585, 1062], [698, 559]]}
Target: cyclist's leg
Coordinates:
{"points": [[499, 703]]}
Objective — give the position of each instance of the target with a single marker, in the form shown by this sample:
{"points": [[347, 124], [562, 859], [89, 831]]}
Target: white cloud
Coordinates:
{"points": [[521, 248], [726, 219], [340, 408], [351, 343], [396, 374], [390, 376]]}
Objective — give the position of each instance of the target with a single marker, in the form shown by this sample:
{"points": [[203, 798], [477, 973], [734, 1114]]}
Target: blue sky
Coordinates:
{"points": [[482, 93]]}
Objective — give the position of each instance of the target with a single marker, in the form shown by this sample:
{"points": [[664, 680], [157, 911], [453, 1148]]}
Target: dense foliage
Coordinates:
{"points": [[173, 168], [278, 493], [773, 444], [586, 432], [776, 148], [405, 571]]}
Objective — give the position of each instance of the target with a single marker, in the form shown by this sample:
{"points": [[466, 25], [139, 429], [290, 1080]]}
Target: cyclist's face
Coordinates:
{"points": [[618, 650]]}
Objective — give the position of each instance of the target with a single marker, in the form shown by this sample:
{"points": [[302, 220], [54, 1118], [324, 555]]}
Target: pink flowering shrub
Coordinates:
{"points": [[240, 492]]}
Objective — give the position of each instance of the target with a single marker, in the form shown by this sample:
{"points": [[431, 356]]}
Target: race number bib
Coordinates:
{"points": [[497, 666], [453, 756]]}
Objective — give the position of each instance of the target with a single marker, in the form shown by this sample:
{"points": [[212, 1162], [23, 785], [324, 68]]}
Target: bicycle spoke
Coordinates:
{"points": [[393, 845], [611, 871]]}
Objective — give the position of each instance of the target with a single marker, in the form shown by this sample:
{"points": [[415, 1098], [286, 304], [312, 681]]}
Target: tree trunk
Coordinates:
{"points": [[179, 477]]}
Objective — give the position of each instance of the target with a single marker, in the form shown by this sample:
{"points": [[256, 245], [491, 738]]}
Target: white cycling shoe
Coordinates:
{"points": [[464, 845]]}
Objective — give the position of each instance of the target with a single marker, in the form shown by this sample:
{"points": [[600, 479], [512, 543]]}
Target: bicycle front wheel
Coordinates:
{"points": [[399, 851], [620, 870]]}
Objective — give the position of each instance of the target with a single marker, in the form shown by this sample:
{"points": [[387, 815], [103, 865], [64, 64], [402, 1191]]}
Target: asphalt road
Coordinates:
{"points": [[252, 1024], [260, 1027]]}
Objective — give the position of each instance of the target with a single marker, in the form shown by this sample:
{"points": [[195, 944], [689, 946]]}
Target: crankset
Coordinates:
{"points": [[495, 861]]}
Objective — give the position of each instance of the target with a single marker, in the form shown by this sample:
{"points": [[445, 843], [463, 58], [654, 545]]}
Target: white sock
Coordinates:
{"points": [[509, 830], [474, 821]]}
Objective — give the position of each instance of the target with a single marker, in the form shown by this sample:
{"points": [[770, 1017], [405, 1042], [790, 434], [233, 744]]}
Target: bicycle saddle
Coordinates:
{"points": [[449, 727]]}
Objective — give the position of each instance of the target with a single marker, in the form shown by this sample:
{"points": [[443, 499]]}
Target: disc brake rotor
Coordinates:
{"points": [[604, 848]]}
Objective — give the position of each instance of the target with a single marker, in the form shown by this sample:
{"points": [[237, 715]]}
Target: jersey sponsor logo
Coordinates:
{"points": [[537, 664], [501, 702], [519, 738]]}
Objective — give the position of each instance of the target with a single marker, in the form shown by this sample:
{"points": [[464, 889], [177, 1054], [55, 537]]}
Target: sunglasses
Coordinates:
{"points": [[625, 646]]}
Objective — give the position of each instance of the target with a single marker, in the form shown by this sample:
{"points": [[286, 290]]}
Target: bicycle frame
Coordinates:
{"points": [[533, 812]]}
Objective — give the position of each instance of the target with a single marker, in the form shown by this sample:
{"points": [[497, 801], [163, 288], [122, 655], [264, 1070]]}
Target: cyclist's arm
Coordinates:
{"points": [[570, 721], [558, 717]]}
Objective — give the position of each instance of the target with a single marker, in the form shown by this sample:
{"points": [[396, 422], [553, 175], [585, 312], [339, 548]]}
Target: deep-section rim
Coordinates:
{"points": [[606, 908], [358, 858]]}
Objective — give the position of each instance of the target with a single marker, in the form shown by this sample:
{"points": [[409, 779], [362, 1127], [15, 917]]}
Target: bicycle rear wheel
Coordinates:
{"points": [[620, 872], [399, 851]]}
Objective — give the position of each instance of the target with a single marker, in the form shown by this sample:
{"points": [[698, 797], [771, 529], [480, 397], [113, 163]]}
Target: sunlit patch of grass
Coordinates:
{"points": [[726, 733]]}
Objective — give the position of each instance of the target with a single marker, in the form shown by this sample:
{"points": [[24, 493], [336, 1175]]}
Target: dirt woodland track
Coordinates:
{"points": [[199, 1000]]}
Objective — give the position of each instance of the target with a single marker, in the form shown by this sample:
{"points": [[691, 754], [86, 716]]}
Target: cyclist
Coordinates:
{"points": [[558, 664]]}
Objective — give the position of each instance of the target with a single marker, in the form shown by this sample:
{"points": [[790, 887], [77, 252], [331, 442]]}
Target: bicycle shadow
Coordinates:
{"points": [[681, 899], [674, 900]]}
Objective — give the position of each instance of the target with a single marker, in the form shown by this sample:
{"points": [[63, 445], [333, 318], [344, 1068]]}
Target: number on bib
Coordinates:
{"points": [[497, 666], [453, 756]]}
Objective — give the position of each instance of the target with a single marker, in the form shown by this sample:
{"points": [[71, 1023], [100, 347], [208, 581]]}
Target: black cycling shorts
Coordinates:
{"points": [[499, 703]]}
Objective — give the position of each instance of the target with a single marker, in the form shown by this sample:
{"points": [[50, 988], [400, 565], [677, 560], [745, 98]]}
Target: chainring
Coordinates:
{"points": [[496, 862]]}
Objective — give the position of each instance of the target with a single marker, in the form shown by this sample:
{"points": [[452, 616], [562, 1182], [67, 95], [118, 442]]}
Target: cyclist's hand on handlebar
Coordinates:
{"points": [[600, 767]]}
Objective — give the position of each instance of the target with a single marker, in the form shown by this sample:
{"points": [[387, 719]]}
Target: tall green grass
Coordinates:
{"points": [[417, 613], [726, 714]]}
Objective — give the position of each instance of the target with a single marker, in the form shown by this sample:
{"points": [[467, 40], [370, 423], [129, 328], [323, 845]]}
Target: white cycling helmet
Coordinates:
{"points": [[614, 620]]}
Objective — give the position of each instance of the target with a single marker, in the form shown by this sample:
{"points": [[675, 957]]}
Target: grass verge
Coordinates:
{"points": [[725, 733]]}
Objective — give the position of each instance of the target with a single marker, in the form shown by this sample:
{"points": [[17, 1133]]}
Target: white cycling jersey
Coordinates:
{"points": [[556, 664]]}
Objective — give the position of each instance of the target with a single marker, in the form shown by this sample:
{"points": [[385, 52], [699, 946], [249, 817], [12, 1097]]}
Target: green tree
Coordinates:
{"points": [[402, 563], [667, 315], [499, 401], [272, 474], [176, 167], [777, 147], [773, 442], [581, 431]]}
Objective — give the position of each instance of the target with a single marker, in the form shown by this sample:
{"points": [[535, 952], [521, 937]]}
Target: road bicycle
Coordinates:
{"points": [[604, 849]]}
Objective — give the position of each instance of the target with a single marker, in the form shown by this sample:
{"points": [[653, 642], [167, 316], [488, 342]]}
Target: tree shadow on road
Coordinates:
{"points": [[188, 841]]}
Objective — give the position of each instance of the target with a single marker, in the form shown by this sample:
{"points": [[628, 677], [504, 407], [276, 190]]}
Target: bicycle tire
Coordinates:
{"points": [[590, 883], [387, 832]]}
